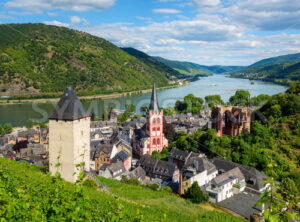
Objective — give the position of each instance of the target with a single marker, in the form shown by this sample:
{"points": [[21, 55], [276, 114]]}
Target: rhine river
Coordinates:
{"points": [[18, 114]]}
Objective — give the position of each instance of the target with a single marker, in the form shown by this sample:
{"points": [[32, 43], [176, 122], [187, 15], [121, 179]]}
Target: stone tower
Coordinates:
{"points": [[69, 137], [154, 125]]}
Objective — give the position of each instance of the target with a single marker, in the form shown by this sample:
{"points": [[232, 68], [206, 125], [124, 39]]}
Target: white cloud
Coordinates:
{"points": [[206, 3], [266, 15], [70, 5], [56, 23], [76, 20], [166, 11]]}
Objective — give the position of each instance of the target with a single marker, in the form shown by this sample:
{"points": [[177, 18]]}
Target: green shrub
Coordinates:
{"points": [[195, 194], [90, 183], [153, 186]]}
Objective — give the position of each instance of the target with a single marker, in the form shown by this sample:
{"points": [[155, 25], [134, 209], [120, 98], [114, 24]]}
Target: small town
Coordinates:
{"points": [[113, 150]]}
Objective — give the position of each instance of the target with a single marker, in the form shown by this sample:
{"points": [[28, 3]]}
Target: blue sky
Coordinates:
{"points": [[209, 32]]}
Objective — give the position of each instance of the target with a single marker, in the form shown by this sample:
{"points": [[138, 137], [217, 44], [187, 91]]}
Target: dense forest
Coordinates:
{"points": [[281, 69], [38, 59]]}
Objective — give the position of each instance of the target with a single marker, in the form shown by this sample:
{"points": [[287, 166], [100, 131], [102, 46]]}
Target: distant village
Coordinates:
{"points": [[124, 150]]}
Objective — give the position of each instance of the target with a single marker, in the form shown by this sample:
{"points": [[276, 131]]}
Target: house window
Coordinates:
{"points": [[154, 141]]}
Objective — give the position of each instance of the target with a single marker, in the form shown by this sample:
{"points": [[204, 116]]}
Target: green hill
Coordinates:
{"points": [[28, 194], [186, 68], [150, 61], [278, 59], [281, 69], [189, 68], [38, 59], [224, 69]]}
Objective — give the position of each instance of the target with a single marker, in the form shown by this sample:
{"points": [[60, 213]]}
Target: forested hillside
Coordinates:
{"points": [[189, 68], [150, 61], [278, 59], [282, 69], [28, 194], [38, 59], [186, 68]]}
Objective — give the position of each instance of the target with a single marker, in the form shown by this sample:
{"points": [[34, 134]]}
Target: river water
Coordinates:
{"points": [[18, 114]]}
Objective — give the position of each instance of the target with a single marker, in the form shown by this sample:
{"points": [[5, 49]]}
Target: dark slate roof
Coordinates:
{"points": [[122, 155], [242, 204], [115, 167], [253, 177], [69, 107], [138, 173], [178, 154], [199, 164], [106, 148], [234, 173], [157, 168], [153, 102]]}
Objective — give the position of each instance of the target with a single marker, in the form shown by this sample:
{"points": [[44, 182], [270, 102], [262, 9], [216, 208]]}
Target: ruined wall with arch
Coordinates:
{"points": [[230, 120]]}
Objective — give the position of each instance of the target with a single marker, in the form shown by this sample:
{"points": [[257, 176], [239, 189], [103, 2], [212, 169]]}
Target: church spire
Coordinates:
{"points": [[153, 101]]}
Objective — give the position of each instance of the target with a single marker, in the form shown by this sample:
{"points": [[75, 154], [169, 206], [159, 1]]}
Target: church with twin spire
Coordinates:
{"points": [[150, 137]]}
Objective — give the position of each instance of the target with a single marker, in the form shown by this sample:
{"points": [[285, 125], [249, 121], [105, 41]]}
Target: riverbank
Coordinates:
{"points": [[90, 97], [285, 82]]}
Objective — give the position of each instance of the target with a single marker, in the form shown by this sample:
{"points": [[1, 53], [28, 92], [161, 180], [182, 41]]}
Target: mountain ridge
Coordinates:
{"points": [[282, 69], [190, 68], [39, 59]]}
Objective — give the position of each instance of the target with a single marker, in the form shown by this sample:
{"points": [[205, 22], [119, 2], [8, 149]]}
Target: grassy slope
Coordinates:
{"points": [[27, 194], [41, 59], [177, 207]]}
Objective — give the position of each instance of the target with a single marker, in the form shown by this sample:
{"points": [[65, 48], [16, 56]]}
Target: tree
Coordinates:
{"points": [[7, 128], [278, 209], [43, 125], [240, 98], [190, 104], [289, 191], [130, 108], [29, 124], [105, 114], [195, 194], [214, 100], [1, 131], [257, 100], [169, 111], [155, 154]]}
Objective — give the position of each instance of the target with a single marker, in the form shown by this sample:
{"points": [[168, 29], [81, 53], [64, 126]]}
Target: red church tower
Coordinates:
{"points": [[151, 137]]}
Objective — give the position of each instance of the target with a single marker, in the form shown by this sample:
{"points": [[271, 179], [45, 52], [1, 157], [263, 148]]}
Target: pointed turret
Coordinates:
{"points": [[153, 102], [69, 107]]}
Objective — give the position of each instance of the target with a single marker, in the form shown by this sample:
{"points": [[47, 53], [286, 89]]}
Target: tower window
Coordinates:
{"points": [[153, 129], [153, 121], [158, 128], [158, 120], [158, 141], [154, 141]]}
